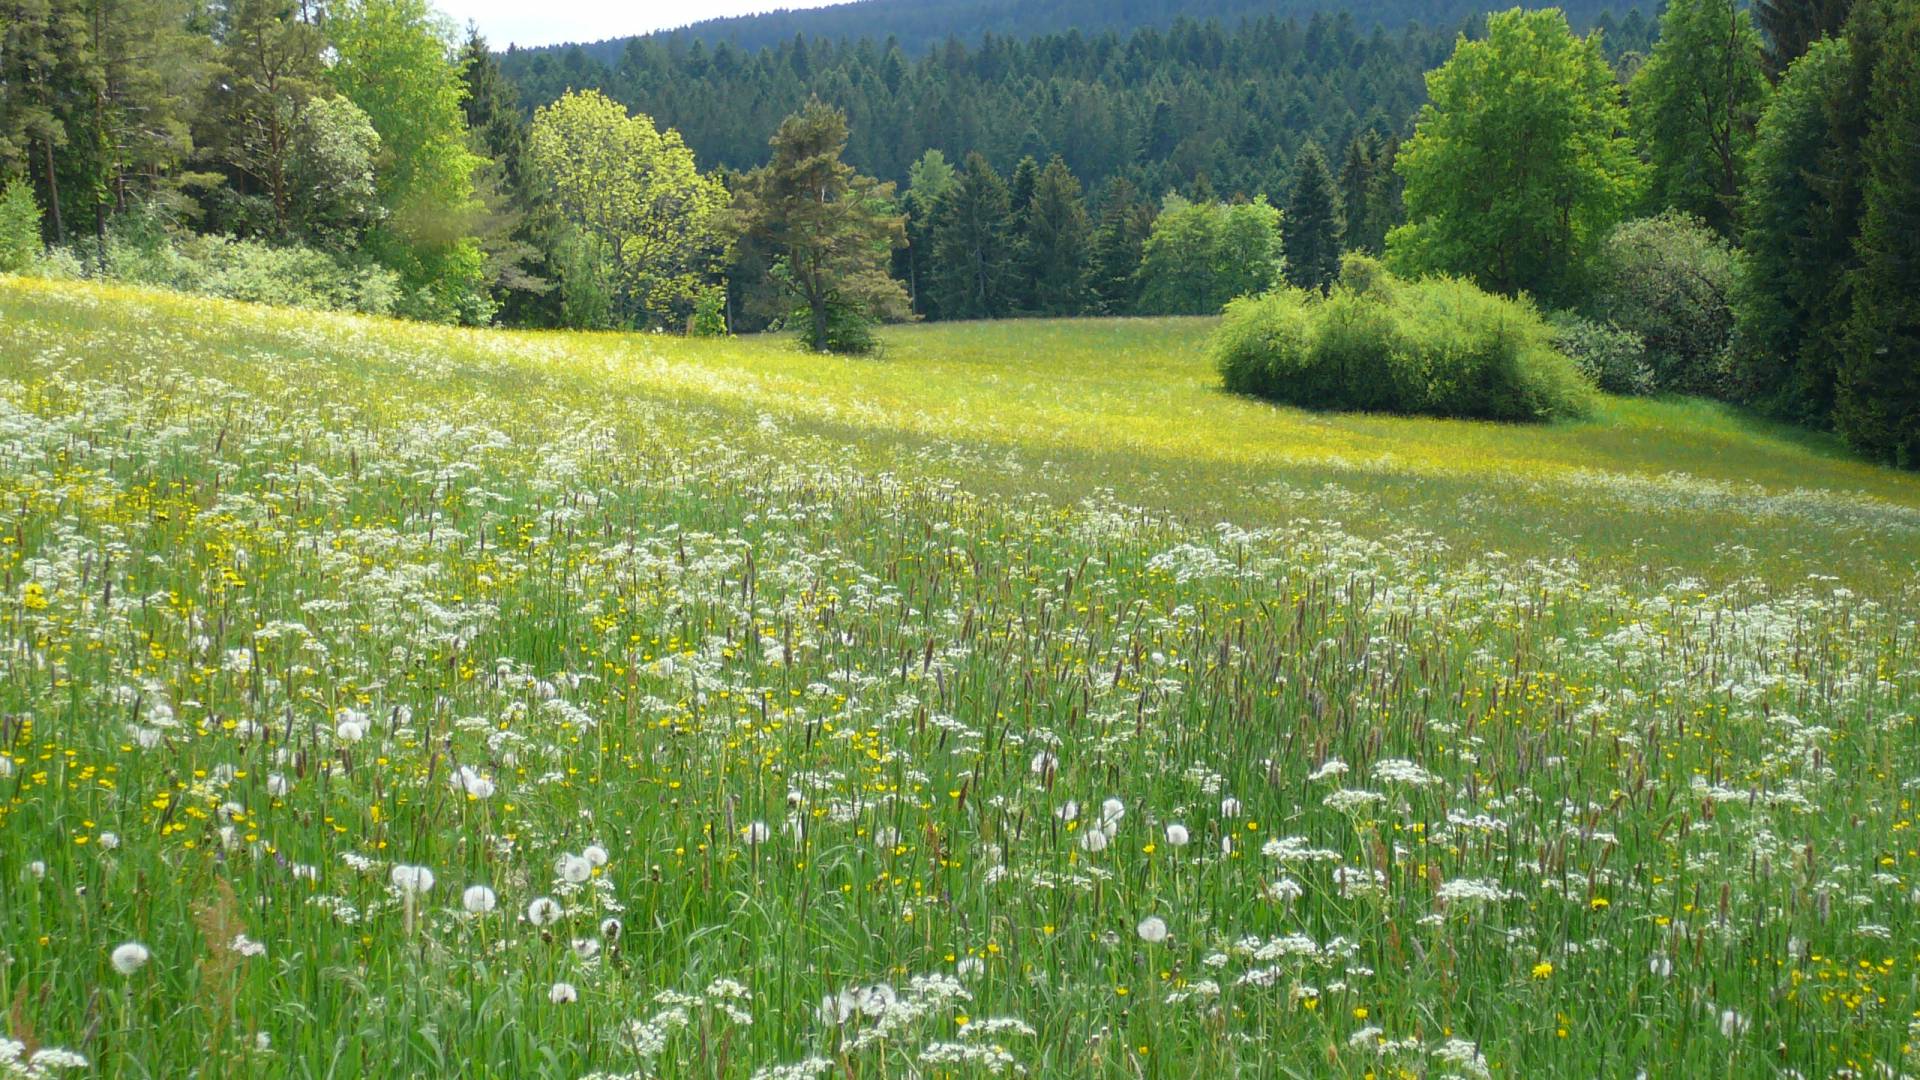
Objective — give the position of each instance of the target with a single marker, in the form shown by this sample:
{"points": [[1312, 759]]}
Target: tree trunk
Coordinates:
{"points": [[53, 196]]}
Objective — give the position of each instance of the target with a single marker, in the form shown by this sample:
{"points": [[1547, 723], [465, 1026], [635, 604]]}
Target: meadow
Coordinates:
{"points": [[389, 700]]}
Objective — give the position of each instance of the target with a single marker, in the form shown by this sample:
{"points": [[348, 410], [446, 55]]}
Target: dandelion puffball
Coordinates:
{"points": [[130, 957], [1177, 835], [478, 900], [543, 911], [1152, 929], [595, 855], [413, 880], [563, 993], [756, 832], [572, 869]]}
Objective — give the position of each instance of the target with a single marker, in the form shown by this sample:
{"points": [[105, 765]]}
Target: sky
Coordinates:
{"points": [[548, 22]]}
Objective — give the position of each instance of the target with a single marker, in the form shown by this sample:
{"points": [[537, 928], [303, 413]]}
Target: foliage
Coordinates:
{"points": [[1877, 407], [1313, 225], [517, 229], [1201, 255], [1613, 359], [20, 244], [832, 229], [1519, 163], [636, 192], [1056, 243], [972, 244], [268, 66], [1369, 192], [1695, 102], [333, 197], [394, 59], [1119, 243], [928, 181], [1669, 280], [1438, 347], [1790, 298], [1791, 27]]}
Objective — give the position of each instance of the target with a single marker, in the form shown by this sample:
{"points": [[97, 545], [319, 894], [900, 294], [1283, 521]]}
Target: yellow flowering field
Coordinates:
{"points": [[386, 700]]}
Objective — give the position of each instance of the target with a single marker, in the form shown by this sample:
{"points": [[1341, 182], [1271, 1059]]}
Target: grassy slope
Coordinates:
{"points": [[1637, 788]]}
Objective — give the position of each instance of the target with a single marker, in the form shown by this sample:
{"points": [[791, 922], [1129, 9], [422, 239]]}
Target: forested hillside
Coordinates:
{"points": [[919, 25], [1161, 107]]}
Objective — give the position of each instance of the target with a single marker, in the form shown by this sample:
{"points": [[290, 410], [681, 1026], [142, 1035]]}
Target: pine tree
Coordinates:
{"points": [[267, 67], [972, 229], [1877, 407], [1798, 226], [1126, 220], [928, 181], [1312, 227], [1020, 186], [831, 227], [1056, 247]]}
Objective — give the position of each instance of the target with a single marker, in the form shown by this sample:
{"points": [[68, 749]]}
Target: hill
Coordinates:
{"points": [[920, 25], [382, 696]]}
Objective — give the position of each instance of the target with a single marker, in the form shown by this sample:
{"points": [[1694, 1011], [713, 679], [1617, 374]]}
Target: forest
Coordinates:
{"points": [[1713, 204]]}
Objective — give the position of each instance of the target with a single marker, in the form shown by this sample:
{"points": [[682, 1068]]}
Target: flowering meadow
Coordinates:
{"points": [[381, 700]]}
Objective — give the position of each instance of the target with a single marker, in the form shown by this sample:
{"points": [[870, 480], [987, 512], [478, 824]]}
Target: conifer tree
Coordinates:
{"points": [[832, 228], [1057, 243], [972, 234], [1126, 220], [1877, 407], [1312, 227]]}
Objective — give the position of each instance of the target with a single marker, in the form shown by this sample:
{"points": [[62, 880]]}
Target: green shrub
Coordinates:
{"points": [[19, 228], [1614, 359], [142, 252], [1438, 347], [1670, 279]]}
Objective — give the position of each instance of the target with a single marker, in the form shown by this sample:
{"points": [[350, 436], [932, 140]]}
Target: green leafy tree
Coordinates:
{"points": [[1695, 102], [1201, 255], [832, 229], [334, 197], [395, 60], [1057, 245], [19, 227], [1799, 221], [656, 220], [972, 234], [1520, 161], [1877, 407], [1311, 229]]}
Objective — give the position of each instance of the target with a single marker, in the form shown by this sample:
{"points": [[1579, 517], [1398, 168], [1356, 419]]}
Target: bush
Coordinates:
{"points": [[19, 228], [1669, 279], [1614, 359], [141, 250], [1438, 347]]}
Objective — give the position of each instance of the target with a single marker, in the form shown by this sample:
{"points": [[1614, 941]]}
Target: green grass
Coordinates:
{"points": [[819, 652]]}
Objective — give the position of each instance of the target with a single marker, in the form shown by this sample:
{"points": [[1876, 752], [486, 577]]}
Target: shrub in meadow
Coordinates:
{"points": [[19, 228], [1439, 346], [1614, 359], [1669, 279]]}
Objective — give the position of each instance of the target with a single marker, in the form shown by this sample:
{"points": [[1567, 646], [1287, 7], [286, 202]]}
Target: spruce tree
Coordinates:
{"points": [[928, 181], [1020, 188], [1058, 243], [1878, 403], [517, 230], [972, 231], [1798, 225], [1312, 226], [1126, 220]]}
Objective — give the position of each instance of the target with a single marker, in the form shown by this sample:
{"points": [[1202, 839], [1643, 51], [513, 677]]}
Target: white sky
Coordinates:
{"points": [[548, 22]]}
